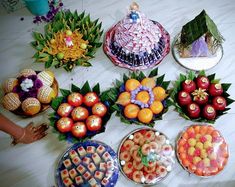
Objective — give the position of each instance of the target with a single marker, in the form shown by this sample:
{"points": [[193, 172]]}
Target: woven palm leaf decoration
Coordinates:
{"points": [[69, 40], [200, 25]]}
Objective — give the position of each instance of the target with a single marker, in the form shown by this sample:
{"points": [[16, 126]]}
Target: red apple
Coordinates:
{"points": [[64, 110], [79, 113], [90, 99], [215, 89], [75, 99], [184, 98], [79, 129], [64, 124], [203, 82], [99, 109], [93, 123], [188, 86], [209, 112], [193, 110], [219, 103]]}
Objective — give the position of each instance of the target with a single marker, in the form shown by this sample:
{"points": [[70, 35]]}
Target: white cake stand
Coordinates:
{"points": [[197, 63]]}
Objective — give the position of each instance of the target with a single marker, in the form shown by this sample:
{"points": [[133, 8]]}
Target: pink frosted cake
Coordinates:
{"points": [[136, 42]]}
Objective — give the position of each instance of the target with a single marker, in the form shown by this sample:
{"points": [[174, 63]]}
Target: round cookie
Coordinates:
{"points": [[47, 77], [9, 84], [45, 94], [11, 101], [31, 106]]}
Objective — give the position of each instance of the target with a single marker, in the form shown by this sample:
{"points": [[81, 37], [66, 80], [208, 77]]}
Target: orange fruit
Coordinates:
{"points": [[156, 107], [132, 84], [143, 96], [131, 111], [159, 93], [148, 82], [145, 115], [124, 98]]}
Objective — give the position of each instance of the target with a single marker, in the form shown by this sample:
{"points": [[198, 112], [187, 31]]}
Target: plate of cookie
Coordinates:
{"points": [[146, 156], [90, 163]]}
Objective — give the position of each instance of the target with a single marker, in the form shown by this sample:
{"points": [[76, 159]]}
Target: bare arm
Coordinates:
{"points": [[25, 135]]}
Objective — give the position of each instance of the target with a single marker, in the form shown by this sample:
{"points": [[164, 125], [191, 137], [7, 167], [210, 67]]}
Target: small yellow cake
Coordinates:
{"points": [[46, 94], [27, 72], [11, 101], [31, 106], [47, 77], [9, 84]]}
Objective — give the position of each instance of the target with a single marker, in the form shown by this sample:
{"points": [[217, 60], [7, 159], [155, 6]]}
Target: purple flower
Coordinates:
{"points": [[17, 89], [61, 4], [38, 84], [21, 78], [32, 93], [32, 77]]}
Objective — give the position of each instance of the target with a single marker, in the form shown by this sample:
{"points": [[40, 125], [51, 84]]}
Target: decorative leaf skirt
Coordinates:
{"points": [[138, 98], [200, 98], [70, 40], [80, 113]]}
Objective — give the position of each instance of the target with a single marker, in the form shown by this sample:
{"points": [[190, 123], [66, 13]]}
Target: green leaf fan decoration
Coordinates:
{"points": [[192, 76], [112, 96], [54, 117], [54, 47]]}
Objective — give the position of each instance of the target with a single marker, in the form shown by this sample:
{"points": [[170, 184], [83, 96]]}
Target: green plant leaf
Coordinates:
{"points": [[229, 101], [165, 84], [86, 88], [211, 77], [96, 89], [202, 73], [56, 103], [226, 86], [160, 80], [62, 137], [215, 81], [64, 92], [154, 73], [191, 75], [74, 88], [125, 78], [141, 76]]}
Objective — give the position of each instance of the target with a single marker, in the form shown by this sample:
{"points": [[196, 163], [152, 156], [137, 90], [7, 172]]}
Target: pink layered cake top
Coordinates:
{"points": [[136, 42], [137, 37]]}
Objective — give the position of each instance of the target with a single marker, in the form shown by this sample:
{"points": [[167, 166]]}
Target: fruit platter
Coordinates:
{"points": [[70, 40], [199, 44], [202, 150], [30, 93], [80, 113], [200, 98], [138, 98], [136, 42], [89, 163], [146, 156]]}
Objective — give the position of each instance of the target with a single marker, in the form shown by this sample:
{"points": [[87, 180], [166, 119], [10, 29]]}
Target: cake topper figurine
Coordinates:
{"points": [[134, 13]]}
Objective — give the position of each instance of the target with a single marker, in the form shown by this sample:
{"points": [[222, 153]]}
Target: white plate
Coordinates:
{"points": [[197, 63]]}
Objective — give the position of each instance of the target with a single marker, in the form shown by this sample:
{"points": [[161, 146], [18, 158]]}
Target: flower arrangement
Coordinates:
{"points": [[70, 40], [30, 92]]}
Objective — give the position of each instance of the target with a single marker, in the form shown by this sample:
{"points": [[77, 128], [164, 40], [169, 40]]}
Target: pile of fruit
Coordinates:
{"points": [[140, 99], [201, 97], [146, 156], [202, 150], [30, 92], [79, 114]]}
